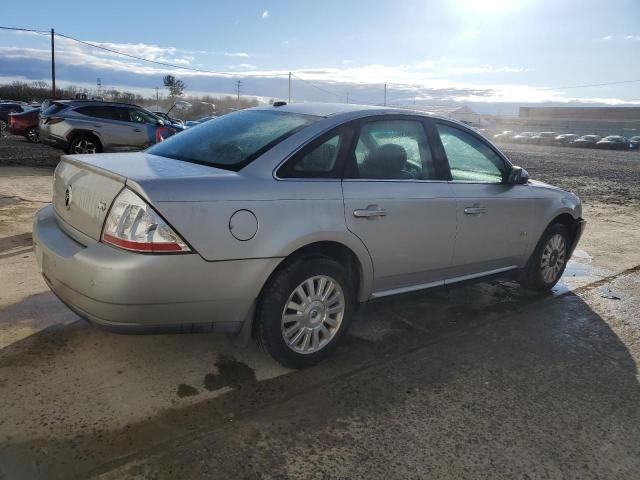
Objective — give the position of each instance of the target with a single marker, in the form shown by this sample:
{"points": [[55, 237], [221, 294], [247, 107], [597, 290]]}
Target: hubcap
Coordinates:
{"points": [[85, 146], [313, 314], [33, 136], [553, 258]]}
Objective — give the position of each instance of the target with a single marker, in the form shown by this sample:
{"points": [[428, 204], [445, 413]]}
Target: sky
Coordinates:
{"points": [[491, 52]]}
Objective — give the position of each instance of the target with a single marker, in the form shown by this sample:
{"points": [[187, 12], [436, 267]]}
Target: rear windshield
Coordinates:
{"points": [[234, 140], [54, 108]]}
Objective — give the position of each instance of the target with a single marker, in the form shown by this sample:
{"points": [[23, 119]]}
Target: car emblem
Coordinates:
{"points": [[102, 206], [67, 197]]}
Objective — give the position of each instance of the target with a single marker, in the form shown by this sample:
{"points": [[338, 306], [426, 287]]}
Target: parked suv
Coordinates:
{"points": [[86, 126]]}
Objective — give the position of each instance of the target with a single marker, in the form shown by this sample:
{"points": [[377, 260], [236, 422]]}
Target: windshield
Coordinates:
{"points": [[233, 140]]}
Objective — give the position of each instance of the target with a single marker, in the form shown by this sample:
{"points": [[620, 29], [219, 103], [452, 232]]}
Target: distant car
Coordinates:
{"points": [[614, 142], [565, 138], [523, 137], [277, 221], [503, 136], [170, 121], [193, 123], [7, 108], [86, 126], [634, 143], [25, 124], [586, 141], [543, 138]]}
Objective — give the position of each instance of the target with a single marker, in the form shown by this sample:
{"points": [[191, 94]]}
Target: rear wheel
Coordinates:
{"points": [[83, 144], [547, 264], [304, 311], [33, 135], [3, 128]]}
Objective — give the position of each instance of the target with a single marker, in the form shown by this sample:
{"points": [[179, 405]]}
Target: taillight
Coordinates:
{"points": [[162, 133], [53, 120], [133, 225]]}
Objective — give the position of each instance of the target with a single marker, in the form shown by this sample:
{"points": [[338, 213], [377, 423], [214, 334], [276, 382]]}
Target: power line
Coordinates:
{"points": [[16, 29], [164, 64], [621, 82], [317, 87]]}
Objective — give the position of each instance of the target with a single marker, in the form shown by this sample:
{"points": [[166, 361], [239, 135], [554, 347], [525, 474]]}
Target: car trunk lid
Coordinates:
{"points": [[83, 193], [86, 185]]}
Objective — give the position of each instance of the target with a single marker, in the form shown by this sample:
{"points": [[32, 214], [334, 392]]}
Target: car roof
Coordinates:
{"points": [[329, 109], [95, 102]]}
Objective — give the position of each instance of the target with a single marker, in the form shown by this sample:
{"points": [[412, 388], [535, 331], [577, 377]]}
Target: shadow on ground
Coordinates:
{"points": [[480, 380]]}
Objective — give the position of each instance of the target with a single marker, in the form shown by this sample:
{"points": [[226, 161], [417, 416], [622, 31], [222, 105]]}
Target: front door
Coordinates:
{"points": [[494, 218], [398, 204]]}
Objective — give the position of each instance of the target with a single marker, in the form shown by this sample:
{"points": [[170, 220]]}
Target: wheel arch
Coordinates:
{"points": [[356, 269], [81, 131], [355, 265]]}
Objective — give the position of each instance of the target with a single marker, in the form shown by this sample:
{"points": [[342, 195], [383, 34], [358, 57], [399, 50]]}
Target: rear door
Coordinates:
{"points": [[399, 204], [494, 217]]}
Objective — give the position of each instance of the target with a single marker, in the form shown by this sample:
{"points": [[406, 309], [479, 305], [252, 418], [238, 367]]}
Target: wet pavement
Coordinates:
{"points": [[473, 381]]}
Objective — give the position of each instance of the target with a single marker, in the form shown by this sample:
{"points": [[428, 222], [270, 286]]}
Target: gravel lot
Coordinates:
{"points": [[607, 176], [476, 381]]}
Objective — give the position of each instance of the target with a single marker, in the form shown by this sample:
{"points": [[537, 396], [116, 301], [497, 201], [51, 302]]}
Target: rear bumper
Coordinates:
{"points": [[137, 293], [52, 141]]}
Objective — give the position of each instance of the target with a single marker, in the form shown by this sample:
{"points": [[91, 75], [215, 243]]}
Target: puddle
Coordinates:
{"points": [[6, 201], [579, 272]]}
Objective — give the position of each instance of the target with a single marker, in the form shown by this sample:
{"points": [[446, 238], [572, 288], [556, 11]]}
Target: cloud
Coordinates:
{"points": [[621, 37], [265, 14], [427, 80]]}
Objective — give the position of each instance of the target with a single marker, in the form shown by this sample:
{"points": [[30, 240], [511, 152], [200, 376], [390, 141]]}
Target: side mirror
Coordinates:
{"points": [[518, 176], [160, 122]]}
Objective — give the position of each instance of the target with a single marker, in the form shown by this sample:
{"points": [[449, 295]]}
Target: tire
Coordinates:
{"points": [[33, 135], [548, 261], [302, 336], [85, 144], [3, 128]]}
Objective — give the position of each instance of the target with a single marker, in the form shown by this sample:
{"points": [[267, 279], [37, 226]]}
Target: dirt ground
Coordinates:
{"points": [[475, 381]]}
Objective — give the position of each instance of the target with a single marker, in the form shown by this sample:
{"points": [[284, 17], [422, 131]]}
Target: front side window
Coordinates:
{"points": [[233, 140], [318, 160], [470, 159], [393, 150]]}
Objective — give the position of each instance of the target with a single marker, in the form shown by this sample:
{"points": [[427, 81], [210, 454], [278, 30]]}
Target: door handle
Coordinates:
{"points": [[475, 209], [98, 126], [137, 130], [370, 211]]}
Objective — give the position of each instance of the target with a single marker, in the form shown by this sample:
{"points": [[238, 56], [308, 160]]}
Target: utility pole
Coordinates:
{"points": [[385, 94], [289, 87], [347, 97], [157, 97], [53, 65], [238, 85]]}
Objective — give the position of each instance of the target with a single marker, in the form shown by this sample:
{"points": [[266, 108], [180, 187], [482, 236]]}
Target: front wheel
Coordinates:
{"points": [[547, 264], [304, 311]]}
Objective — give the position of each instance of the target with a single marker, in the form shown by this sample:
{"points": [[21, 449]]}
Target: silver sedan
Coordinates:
{"points": [[276, 221]]}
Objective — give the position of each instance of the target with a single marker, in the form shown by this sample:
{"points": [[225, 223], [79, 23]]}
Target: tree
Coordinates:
{"points": [[175, 86]]}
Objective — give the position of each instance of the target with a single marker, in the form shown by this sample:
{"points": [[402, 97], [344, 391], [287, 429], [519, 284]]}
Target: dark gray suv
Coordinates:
{"points": [[81, 126]]}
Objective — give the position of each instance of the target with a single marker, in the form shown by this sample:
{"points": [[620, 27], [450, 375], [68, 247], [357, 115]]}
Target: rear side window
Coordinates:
{"points": [[470, 159], [393, 150], [317, 160], [233, 140], [107, 113]]}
